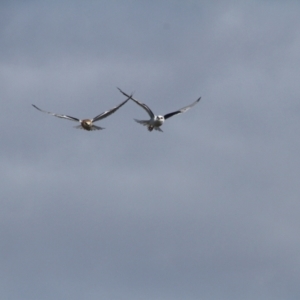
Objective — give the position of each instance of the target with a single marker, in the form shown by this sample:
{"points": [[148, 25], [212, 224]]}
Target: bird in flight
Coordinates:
{"points": [[157, 120], [87, 124]]}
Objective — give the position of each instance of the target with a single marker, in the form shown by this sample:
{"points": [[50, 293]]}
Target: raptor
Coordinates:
{"points": [[157, 120], [87, 124]]}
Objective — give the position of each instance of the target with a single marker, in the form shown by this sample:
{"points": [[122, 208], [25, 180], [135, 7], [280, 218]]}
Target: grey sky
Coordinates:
{"points": [[208, 209]]}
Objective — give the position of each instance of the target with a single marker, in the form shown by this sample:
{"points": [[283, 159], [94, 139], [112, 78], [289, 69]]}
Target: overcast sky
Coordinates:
{"points": [[208, 209]]}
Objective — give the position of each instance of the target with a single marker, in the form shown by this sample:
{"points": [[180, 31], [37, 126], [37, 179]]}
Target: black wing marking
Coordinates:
{"points": [[182, 110], [109, 112], [57, 115], [143, 105]]}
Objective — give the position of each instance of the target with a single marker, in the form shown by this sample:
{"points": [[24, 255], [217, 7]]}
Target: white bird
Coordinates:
{"points": [[87, 124], [156, 121]]}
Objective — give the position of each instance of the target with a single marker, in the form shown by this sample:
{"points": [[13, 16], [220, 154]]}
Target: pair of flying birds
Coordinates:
{"points": [[154, 123]]}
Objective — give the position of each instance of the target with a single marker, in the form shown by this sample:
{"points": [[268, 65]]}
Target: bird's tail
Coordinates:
{"points": [[94, 127], [148, 124]]}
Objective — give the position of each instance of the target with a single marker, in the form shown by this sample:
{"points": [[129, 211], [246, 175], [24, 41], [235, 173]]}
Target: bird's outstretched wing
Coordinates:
{"points": [[57, 115], [143, 105], [182, 110], [109, 112]]}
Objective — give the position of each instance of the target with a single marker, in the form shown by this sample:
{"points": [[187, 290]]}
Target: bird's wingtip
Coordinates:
{"points": [[120, 90]]}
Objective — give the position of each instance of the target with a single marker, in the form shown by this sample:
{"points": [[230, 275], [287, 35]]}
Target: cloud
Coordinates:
{"points": [[206, 209]]}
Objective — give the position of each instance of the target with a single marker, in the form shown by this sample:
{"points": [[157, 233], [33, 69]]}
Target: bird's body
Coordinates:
{"points": [[153, 123], [86, 124], [156, 121]]}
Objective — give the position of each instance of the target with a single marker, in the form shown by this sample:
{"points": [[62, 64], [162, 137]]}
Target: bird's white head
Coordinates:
{"points": [[159, 120]]}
